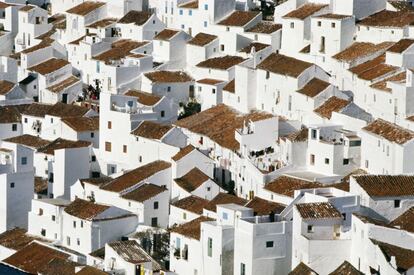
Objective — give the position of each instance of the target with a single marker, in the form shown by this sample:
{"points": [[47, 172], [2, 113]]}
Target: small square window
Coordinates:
{"points": [[326, 161], [155, 205], [319, 23], [93, 158], [310, 228], [109, 124], [269, 244], [124, 149], [292, 25], [346, 161], [92, 134], [397, 203], [24, 160], [213, 90], [225, 216], [205, 24], [205, 7], [11, 184], [53, 218], [43, 232], [208, 189], [25, 120], [333, 24], [14, 127]]}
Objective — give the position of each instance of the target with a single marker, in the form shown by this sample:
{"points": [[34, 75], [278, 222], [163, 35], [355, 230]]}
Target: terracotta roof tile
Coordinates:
{"points": [[386, 18], [191, 229], [223, 198], [302, 269], [151, 130], [382, 85], [192, 180], [37, 109], [138, 18], [16, 238], [34, 257], [401, 45], [12, 114], [63, 110], [221, 63], [405, 221], [404, 258], [318, 210], [305, 11], [130, 251], [314, 87], [60, 143], [202, 39], [239, 18], [359, 50], [66, 83], [210, 81], [284, 65], [264, 207], [346, 268], [168, 76], [230, 87], [89, 270], [85, 210], [82, 124], [298, 136], [401, 5], [5, 87], [96, 181], [59, 266], [265, 28], [144, 97], [85, 8], [386, 185], [49, 66], [192, 203], [27, 8], [135, 176], [166, 34], [103, 23], [287, 185], [119, 49], [222, 121], [29, 141], [183, 152], [333, 104], [374, 69], [144, 192], [389, 131], [334, 16], [192, 4], [257, 46], [40, 185]]}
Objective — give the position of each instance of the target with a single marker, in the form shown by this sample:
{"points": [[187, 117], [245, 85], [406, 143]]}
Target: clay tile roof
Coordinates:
{"points": [[264, 207], [202, 39], [85, 8], [27, 8], [59, 266], [135, 17], [224, 198], [284, 65], [191, 229], [29, 141], [314, 87], [287, 185], [16, 238], [168, 76], [63, 110], [66, 83], [34, 257], [135, 176], [119, 50], [401, 5], [37, 109], [386, 18], [192, 203], [230, 87], [298, 136], [183, 152], [221, 63], [404, 258], [265, 28], [333, 104], [192, 180], [102, 23], [239, 18], [219, 124], [386, 185], [382, 85], [405, 221], [4, 5], [96, 181], [82, 124], [193, 4], [389, 131], [151, 130], [318, 210], [305, 11], [12, 114], [130, 251], [334, 16], [60, 143], [302, 269], [361, 49], [210, 81], [49, 66], [144, 192], [90, 270], [401, 45], [144, 97], [166, 34], [346, 269], [85, 210], [367, 219], [257, 47], [40, 185], [374, 69], [5, 87]]}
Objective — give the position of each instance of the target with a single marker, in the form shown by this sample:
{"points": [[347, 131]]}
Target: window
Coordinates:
{"points": [[205, 24], [155, 205], [313, 133], [51, 120], [92, 134], [124, 148], [222, 47], [93, 158], [98, 68], [68, 240], [269, 244], [140, 158], [267, 74], [225, 216], [184, 216], [78, 241], [346, 161], [181, 12], [310, 228], [154, 222], [210, 247], [14, 127], [292, 25], [74, 224], [109, 124], [205, 7], [366, 163], [397, 203], [11, 184], [108, 146], [319, 23], [242, 269], [326, 161], [162, 113], [213, 90], [43, 232], [227, 29], [24, 160], [312, 159], [53, 218], [333, 24], [40, 212], [25, 120], [182, 26], [344, 216], [208, 189], [353, 143], [168, 89]]}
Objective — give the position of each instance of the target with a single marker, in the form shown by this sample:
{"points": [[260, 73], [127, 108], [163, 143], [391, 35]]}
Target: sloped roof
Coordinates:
{"points": [[82, 124], [265, 28], [333, 104], [346, 269], [401, 45], [192, 203], [49, 66], [224, 198], [63, 110], [318, 210], [202, 39], [85, 8], [361, 49], [314, 87], [305, 11], [284, 65], [404, 258], [192, 180], [302, 269], [389, 131], [130, 251], [239, 18], [29, 141], [191, 229], [16, 238], [386, 18], [144, 192], [85, 209], [386, 185], [151, 130], [166, 34], [144, 97], [183, 152], [221, 63], [5, 87], [168, 76], [264, 207], [285, 185], [405, 221], [135, 17], [61, 143]]}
